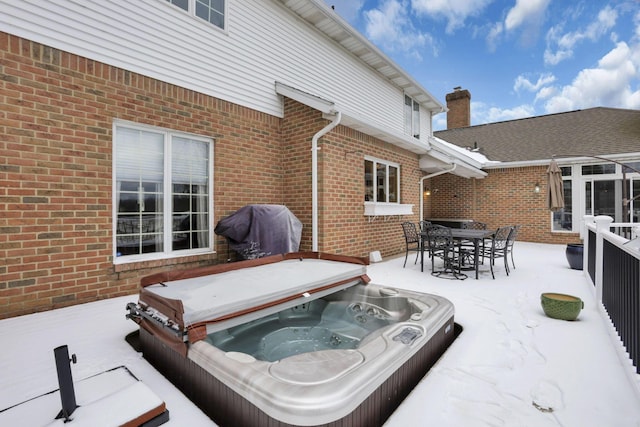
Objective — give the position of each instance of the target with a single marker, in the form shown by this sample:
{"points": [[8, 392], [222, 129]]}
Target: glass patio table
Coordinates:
{"points": [[476, 236]]}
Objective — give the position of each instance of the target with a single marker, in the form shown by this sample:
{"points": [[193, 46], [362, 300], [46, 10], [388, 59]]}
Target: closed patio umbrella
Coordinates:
{"points": [[555, 192]]}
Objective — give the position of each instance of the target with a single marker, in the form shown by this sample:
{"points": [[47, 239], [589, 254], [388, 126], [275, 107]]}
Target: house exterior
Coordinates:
{"points": [[129, 129], [598, 150]]}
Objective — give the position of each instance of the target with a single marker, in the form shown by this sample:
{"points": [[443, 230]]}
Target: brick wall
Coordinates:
{"points": [[56, 176], [55, 170], [343, 228], [504, 197]]}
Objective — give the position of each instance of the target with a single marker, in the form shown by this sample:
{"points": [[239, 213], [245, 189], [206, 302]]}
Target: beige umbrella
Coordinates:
{"points": [[555, 192]]}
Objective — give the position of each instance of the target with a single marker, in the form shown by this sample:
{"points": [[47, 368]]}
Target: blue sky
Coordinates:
{"points": [[518, 58]]}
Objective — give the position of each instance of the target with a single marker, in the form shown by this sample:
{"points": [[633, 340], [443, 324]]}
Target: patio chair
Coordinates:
{"points": [[441, 245], [467, 247], [424, 225], [423, 230], [498, 248], [411, 240], [512, 238]]}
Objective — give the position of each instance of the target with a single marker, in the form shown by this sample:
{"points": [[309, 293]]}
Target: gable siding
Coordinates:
{"points": [[263, 43]]}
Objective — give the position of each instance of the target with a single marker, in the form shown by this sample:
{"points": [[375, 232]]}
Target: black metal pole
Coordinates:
{"points": [[65, 380]]}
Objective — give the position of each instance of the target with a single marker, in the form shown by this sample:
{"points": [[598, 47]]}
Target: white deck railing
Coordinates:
{"points": [[612, 264]]}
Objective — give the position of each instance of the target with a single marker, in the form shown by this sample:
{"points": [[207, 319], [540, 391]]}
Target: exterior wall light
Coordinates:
{"points": [[536, 189]]}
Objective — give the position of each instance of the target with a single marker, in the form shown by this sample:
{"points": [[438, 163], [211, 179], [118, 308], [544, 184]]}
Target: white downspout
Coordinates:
{"points": [[422, 186], [314, 178]]}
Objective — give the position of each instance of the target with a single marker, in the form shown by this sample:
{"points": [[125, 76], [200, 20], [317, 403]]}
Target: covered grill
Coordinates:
{"points": [[255, 231]]}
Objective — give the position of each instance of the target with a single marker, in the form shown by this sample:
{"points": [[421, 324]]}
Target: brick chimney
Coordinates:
{"points": [[459, 106]]}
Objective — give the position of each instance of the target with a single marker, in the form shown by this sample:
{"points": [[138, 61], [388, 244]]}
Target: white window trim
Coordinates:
{"points": [[167, 200], [377, 208], [578, 181], [413, 126], [192, 13]]}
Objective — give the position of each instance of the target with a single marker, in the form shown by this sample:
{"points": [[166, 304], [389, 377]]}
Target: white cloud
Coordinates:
{"points": [[527, 16], [524, 12], [546, 93], [523, 82], [493, 36], [560, 46], [454, 11], [390, 27], [483, 113], [615, 82]]}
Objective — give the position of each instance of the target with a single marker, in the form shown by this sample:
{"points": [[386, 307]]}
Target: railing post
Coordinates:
{"points": [[584, 237], [602, 224]]}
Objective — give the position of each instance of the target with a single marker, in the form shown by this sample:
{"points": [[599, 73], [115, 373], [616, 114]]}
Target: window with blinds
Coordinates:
{"points": [[162, 193]]}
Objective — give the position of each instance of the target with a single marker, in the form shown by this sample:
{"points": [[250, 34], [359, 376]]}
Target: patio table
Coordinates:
{"points": [[462, 234]]}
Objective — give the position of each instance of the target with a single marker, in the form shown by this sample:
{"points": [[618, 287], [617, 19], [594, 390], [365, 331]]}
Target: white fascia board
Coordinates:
{"points": [[632, 157], [310, 100], [355, 121], [474, 159], [462, 169]]}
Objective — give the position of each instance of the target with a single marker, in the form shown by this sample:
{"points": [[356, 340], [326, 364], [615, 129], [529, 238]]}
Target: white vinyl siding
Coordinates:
{"points": [[263, 42]]}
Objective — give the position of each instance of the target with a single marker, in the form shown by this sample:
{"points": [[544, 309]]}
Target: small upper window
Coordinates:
{"points": [[411, 117], [602, 169], [211, 11]]}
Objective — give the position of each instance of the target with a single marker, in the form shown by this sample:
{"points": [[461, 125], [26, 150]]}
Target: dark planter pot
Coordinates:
{"points": [[574, 255]]}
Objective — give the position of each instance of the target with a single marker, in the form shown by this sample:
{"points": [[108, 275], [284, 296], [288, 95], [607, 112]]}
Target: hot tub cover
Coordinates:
{"points": [[254, 231], [191, 301]]}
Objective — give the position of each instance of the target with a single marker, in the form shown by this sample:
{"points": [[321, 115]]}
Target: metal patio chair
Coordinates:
{"points": [[467, 247], [412, 240], [498, 248], [512, 238], [441, 245]]}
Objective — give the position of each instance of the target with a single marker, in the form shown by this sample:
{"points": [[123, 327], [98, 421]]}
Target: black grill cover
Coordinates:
{"points": [[254, 231]]}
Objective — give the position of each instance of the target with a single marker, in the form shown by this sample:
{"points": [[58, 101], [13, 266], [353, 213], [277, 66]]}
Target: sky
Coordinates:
{"points": [[510, 366], [517, 58]]}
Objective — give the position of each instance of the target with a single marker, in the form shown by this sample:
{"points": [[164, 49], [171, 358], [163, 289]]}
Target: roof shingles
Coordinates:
{"points": [[591, 132]]}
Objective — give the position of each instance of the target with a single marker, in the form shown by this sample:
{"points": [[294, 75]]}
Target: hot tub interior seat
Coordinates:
{"points": [[339, 321]]}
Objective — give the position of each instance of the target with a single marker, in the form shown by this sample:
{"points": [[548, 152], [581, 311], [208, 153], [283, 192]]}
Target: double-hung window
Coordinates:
{"points": [[212, 11], [411, 117], [162, 193], [381, 181]]}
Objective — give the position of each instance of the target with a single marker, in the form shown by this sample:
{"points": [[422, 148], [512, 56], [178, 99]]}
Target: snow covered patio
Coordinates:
{"points": [[511, 366]]}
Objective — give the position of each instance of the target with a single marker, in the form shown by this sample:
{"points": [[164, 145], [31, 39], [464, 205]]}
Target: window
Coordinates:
{"points": [[211, 11], [162, 193], [599, 169], [563, 219], [411, 117], [381, 181]]}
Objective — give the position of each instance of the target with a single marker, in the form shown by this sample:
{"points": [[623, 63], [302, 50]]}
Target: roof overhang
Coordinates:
{"points": [[328, 22], [442, 155], [565, 160], [352, 119], [436, 155]]}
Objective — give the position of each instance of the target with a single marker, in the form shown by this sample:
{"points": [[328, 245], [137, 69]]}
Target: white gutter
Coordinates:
{"points": [[453, 167], [314, 178]]}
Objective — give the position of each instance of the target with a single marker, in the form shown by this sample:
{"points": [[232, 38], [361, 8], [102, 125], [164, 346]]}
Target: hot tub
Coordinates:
{"points": [[324, 348]]}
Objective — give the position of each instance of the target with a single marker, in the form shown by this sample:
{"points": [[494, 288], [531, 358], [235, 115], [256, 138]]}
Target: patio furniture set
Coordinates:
{"points": [[459, 249]]}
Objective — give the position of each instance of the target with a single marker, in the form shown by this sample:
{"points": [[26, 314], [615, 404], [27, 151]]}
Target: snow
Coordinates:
{"points": [[511, 366]]}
